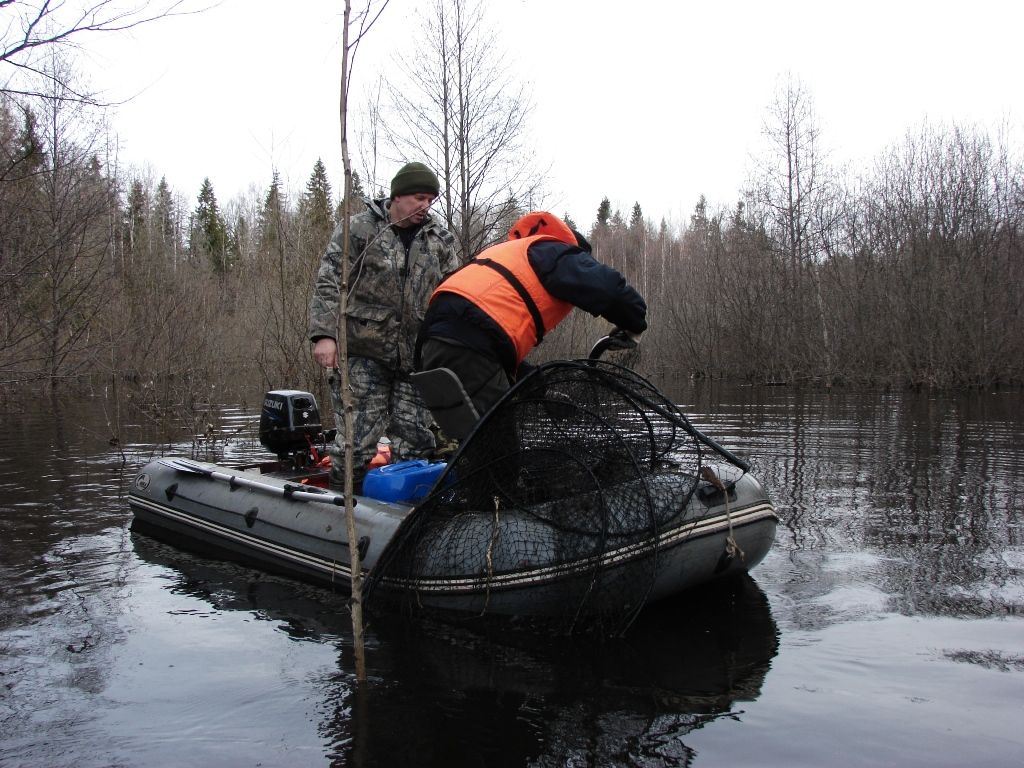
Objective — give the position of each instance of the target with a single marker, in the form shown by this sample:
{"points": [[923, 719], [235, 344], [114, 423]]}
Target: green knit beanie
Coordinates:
{"points": [[413, 178]]}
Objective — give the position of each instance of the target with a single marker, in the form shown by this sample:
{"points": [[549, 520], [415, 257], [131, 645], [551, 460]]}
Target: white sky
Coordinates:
{"points": [[647, 100]]}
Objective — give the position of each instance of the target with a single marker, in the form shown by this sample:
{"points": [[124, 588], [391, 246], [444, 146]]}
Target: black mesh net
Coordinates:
{"points": [[552, 507]]}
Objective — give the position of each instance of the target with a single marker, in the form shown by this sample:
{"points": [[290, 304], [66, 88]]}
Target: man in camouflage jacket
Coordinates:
{"points": [[398, 254]]}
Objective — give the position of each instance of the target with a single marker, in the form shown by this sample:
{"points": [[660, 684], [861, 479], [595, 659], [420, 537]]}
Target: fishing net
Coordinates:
{"points": [[552, 507]]}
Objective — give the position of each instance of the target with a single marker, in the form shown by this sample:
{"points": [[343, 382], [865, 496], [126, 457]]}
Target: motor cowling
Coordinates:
{"points": [[289, 420]]}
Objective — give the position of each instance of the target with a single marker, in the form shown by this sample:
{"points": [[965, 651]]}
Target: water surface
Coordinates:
{"points": [[884, 628]]}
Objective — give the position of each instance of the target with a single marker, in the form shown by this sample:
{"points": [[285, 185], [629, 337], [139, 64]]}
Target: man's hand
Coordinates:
{"points": [[325, 352], [620, 338]]}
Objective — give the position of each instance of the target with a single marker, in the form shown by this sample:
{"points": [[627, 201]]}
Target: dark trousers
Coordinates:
{"points": [[483, 379]]}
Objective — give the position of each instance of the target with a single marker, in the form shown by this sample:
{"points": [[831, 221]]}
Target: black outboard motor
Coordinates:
{"points": [[289, 421]]}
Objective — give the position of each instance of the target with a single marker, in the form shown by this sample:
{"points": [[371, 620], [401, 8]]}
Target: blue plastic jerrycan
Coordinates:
{"points": [[405, 481]]}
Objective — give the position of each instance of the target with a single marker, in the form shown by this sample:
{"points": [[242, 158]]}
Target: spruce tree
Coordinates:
{"points": [[165, 215], [209, 233], [604, 212], [316, 213], [636, 219], [355, 202], [271, 224], [27, 160], [134, 223]]}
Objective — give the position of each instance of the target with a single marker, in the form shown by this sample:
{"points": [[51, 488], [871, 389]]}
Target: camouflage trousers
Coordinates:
{"points": [[384, 402]]}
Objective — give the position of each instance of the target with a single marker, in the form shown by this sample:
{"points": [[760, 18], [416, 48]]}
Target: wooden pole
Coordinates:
{"points": [[346, 395]]}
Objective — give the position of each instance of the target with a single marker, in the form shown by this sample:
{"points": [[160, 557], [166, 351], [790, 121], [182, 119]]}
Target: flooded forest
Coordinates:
{"points": [[907, 272]]}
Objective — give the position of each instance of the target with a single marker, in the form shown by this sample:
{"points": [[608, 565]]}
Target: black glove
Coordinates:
{"points": [[620, 338]]}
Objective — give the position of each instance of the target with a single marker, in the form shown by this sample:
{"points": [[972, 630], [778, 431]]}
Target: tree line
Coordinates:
{"points": [[908, 274]]}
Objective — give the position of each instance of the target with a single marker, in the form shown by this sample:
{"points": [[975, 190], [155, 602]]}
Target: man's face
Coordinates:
{"points": [[410, 210]]}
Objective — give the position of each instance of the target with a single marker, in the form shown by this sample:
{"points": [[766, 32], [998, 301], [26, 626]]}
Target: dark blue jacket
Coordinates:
{"points": [[567, 272]]}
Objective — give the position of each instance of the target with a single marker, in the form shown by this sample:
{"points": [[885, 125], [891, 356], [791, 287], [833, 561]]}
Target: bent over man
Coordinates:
{"points": [[484, 319]]}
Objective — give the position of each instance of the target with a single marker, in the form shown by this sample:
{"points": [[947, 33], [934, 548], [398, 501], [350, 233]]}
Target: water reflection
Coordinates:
{"points": [[466, 696], [920, 490], [684, 663], [60, 632], [301, 611]]}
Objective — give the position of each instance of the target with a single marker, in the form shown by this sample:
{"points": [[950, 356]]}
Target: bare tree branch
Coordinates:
{"points": [[461, 109], [35, 27]]}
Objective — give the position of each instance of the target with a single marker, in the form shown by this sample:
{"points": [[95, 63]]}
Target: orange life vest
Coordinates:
{"points": [[501, 282]]}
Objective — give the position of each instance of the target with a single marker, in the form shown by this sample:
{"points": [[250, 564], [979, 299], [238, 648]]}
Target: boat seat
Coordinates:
{"points": [[448, 401]]}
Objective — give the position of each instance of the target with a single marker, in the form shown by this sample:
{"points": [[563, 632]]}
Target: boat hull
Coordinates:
{"points": [[712, 537], [273, 523], [259, 523]]}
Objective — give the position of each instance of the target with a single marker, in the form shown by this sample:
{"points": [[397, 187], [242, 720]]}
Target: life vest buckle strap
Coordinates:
{"points": [[531, 305]]}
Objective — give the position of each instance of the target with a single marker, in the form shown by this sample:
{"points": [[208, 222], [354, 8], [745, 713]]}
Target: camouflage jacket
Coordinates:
{"points": [[389, 289]]}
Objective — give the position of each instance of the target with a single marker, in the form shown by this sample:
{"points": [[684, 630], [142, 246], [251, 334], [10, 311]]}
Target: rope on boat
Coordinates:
{"points": [[289, 491], [732, 547]]}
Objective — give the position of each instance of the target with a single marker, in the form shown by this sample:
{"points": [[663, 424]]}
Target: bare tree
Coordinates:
{"points": [[63, 234], [33, 28], [362, 22], [459, 108], [369, 138], [934, 260], [790, 195]]}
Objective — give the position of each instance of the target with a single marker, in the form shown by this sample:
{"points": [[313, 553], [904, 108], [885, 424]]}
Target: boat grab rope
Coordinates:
{"points": [[732, 547], [288, 491]]}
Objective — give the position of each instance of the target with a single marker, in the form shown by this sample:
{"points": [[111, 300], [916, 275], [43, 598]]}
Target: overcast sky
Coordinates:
{"points": [[646, 100]]}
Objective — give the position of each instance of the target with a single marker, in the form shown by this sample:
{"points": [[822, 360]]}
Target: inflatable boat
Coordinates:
{"points": [[581, 497]]}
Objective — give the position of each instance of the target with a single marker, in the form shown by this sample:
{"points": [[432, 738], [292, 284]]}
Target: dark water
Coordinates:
{"points": [[885, 627]]}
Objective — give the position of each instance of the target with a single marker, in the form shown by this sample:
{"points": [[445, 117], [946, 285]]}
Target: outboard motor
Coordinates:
{"points": [[289, 420]]}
